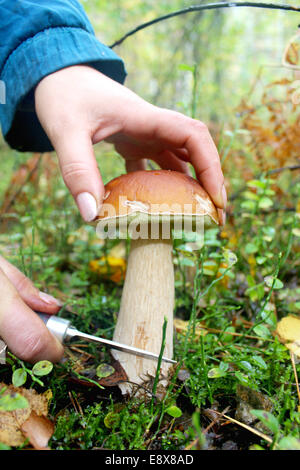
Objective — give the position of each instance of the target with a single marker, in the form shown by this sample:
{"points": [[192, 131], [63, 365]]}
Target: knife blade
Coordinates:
{"points": [[62, 329]]}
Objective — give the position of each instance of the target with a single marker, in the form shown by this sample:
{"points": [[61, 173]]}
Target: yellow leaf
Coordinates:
{"points": [[109, 267], [182, 327], [288, 332], [224, 234], [48, 395]]}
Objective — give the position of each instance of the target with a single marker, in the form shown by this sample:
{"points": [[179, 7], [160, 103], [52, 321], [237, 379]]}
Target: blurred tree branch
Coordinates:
{"points": [[209, 6]]}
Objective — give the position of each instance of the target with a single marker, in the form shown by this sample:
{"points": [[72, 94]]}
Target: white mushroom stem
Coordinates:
{"points": [[148, 297]]}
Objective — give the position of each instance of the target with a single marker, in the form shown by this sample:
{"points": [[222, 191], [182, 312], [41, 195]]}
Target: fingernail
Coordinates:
{"points": [[222, 216], [87, 206], [48, 299], [224, 196]]}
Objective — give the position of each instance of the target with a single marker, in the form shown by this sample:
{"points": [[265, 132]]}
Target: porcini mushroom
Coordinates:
{"points": [[150, 203]]}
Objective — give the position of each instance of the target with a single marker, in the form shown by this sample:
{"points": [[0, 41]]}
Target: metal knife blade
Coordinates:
{"points": [[64, 332]]}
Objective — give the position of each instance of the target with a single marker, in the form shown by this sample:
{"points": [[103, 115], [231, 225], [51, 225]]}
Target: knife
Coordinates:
{"points": [[62, 329]]}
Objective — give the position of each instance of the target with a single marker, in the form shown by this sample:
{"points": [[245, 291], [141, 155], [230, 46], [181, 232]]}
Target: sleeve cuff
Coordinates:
{"points": [[45, 53]]}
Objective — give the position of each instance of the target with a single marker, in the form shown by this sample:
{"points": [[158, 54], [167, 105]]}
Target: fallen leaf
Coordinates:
{"points": [[181, 326], [288, 332], [114, 379], [38, 430], [247, 400], [11, 422], [109, 267], [104, 370]]}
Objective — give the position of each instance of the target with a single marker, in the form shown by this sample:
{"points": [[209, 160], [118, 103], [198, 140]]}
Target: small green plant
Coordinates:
{"points": [[21, 371]]}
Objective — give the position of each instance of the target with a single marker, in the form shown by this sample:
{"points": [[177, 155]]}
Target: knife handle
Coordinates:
{"points": [[56, 325]]}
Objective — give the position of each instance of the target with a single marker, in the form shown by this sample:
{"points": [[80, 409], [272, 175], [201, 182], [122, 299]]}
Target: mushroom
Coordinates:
{"points": [[148, 204]]}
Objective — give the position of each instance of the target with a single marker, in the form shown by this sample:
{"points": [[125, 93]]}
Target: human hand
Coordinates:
{"points": [[79, 106], [22, 330]]}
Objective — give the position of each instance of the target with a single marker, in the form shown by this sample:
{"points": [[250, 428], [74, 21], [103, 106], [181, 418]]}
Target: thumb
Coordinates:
{"points": [[22, 330], [80, 172]]}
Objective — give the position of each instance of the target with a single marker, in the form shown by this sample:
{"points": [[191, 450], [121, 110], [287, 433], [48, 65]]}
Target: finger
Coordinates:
{"points": [[136, 165], [37, 300], [182, 154], [80, 172], [23, 331], [168, 161], [208, 168], [179, 131]]}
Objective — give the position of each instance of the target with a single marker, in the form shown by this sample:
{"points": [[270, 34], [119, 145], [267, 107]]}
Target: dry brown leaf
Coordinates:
{"points": [[26, 172], [288, 332], [114, 379], [38, 430], [11, 422], [272, 127], [111, 381], [247, 400]]}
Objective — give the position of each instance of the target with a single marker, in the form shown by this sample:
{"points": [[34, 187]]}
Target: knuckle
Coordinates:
{"points": [[35, 346], [199, 126], [23, 284], [74, 171]]}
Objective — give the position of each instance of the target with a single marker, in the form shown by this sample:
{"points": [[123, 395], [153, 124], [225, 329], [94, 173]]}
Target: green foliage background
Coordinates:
{"points": [[229, 46]]}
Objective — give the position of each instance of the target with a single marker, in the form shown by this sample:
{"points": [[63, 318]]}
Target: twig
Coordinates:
{"points": [[279, 170], [84, 353], [72, 401], [249, 428], [75, 402], [214, 421], [209, 6], [137, 387], [296, 376], [215, 330]]}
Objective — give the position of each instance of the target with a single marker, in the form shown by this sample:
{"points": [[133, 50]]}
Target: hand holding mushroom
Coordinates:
{"points": [[79, 106]]}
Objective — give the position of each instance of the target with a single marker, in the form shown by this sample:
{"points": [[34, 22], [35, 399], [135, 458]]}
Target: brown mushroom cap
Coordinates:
{"points": [[157, 192]]}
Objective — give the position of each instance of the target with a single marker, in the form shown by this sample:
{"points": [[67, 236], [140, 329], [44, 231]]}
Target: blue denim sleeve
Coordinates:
{"points": [[38, 38]]}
